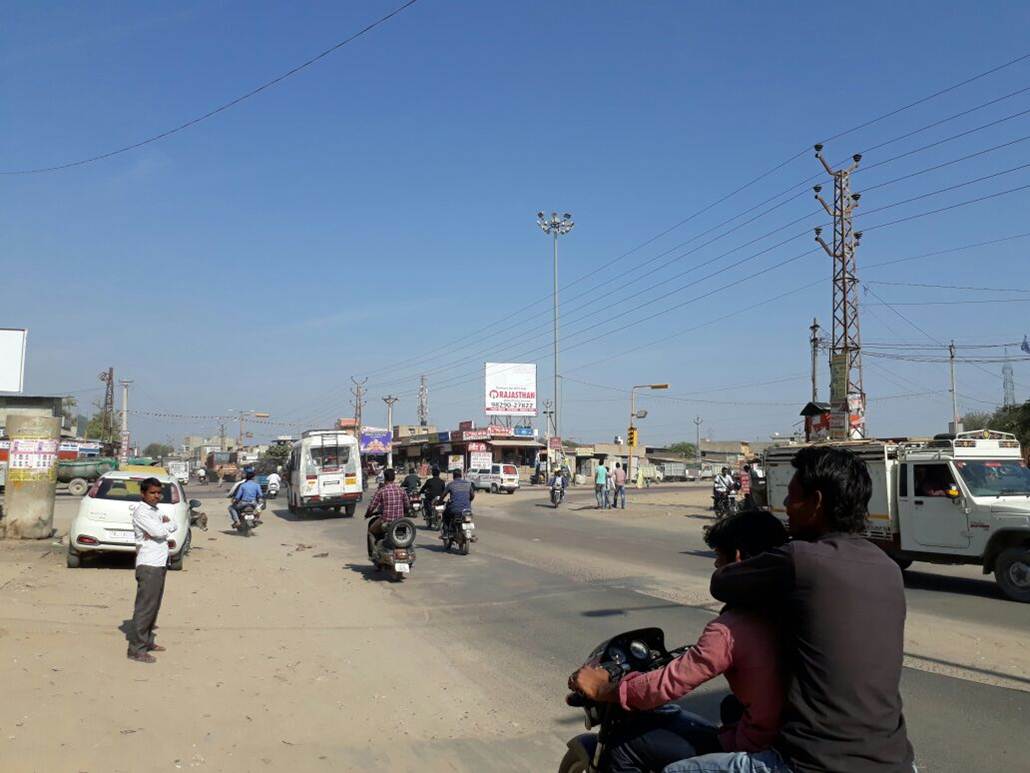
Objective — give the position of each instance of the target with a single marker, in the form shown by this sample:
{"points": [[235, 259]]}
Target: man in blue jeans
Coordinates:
{"points": [[601, 486], [841, 602]]}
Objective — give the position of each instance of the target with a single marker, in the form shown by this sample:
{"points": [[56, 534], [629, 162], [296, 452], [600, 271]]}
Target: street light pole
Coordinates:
{"points": [[390, 400], [123, 454], [555, 227], [631, 434]]}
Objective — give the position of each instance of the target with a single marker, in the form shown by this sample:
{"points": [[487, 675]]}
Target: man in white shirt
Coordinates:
{"points": [[152, 531]]}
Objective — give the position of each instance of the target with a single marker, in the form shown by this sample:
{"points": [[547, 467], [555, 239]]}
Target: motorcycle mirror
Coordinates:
{"points": [[196, 504]]}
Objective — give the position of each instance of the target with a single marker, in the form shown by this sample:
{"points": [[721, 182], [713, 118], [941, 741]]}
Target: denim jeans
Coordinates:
{"points": [[732, 762], [601, 495], [620, 494]]}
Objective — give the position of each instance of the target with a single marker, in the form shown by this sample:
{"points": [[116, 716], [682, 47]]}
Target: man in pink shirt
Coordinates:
{"points": [[742, 644], [619, 477]]}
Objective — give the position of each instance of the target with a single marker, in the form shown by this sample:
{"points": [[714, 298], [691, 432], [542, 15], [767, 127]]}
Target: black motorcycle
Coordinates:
{"points": [[394, 552], [459, 531], [639, 650], [432, 511], [249, 514], [557, 494]]}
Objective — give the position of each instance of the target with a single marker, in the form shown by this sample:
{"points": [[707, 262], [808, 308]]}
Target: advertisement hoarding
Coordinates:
{"points": [[456, 462], [511, 389], [480, 460], [375, 441], [12, 359]]}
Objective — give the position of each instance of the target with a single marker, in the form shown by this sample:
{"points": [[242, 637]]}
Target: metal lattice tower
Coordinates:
{"points": [[107, 412], [1009, 381], [359, 399], [846, 343], [423, 403]]}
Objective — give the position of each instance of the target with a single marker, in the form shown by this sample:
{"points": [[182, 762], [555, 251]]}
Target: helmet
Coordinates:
{"points": [[435, 470], [248, 472]]}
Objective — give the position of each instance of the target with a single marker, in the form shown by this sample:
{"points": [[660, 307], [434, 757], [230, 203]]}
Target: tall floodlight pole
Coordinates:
{"points": [[631, 433], [555, 227], [390, 400], [847, 396], [123, 455]]}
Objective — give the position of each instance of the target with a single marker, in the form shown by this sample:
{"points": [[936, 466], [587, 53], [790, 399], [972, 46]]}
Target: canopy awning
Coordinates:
{"points": [[516, 443]]}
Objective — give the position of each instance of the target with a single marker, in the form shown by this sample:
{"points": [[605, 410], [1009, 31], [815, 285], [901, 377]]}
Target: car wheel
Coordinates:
{"points": [[348, 511], [493, 489], [74, 559], [1012, 571], [78, 487]]}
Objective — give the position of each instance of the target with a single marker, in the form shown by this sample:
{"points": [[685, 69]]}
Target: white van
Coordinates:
{"points": [[495, 478], [323, 472]]}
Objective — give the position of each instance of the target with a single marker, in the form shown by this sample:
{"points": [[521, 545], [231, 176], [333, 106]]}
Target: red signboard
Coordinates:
{"points": [[465, 426], [500, 430], [554, 442], [477, 447]]}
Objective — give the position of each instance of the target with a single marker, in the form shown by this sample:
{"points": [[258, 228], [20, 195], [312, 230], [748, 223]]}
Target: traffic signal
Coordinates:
{"points": [[631, 437]]}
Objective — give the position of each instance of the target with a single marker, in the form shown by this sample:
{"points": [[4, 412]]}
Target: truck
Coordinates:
{"points": [[674, 471], [221, 466], [952, 499]]}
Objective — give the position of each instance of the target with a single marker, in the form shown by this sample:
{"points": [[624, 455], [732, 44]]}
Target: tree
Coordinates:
{"points": [[977, 420], [158, 450], [1013, 418], [277, 453], [684, 448]]}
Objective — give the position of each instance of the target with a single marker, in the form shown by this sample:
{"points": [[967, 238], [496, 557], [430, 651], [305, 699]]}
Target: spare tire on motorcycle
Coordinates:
{"points": [[400, 533]]}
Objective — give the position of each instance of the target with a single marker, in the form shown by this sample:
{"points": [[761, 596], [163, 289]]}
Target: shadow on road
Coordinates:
{"points": [[108, 561], [967, 586], [369, 573], [308, 515], [618, 612], [698, 553]]}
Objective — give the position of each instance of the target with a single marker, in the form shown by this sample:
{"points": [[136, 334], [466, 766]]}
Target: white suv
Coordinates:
{"points": [[495, 478], [104, 521]]}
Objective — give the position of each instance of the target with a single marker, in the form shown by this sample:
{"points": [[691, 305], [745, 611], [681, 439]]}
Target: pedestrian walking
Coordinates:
{"points": [[745, 487], [609, 489], [620, 486], [152, 531], [600, 484]]}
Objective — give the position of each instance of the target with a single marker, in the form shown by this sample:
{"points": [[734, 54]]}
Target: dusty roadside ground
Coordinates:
{"points": [[282, 655]]}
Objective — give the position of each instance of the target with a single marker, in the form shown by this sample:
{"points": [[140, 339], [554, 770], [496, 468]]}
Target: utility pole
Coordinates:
{"points": [[548, 414], [221, 436], [390, 400], [814, 341], [359, 400], [698, 421], [555, 227], [956, 421], [123, 454], [847, 396], [423, 403]]}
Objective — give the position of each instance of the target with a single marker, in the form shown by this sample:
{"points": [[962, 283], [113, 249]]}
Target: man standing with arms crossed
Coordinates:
{"points": [[152, 531]]}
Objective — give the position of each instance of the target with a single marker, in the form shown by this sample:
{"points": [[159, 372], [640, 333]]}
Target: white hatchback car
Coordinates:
{"points": [[495, 478], [104, 521]]}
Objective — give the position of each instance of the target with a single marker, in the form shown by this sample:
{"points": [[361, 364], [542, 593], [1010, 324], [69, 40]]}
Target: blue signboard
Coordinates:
{"points": [[525, 432], [443, 437], [375, 441]]}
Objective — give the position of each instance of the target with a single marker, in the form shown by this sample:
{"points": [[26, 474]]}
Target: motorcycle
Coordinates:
{"points": [[395, 550], [416, 503], [639, 650], [724, 504], [459, 533], [433, 513], [557, 494], [249, 513], [273, 490]]}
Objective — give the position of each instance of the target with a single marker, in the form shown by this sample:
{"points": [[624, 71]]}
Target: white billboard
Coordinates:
{"points": [[511, 389], [12, 359]]}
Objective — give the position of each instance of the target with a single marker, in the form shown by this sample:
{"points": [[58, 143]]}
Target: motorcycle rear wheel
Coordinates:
{"points": [[572, 763], [466, 546], [447, 545]]}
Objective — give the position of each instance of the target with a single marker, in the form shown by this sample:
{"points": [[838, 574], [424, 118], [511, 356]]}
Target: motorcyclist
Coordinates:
{"points": [[560, 481], [433, 489], [458, 496], [245, 492], [722, 486], [411, 482], [202, 475], [274, 480], [388, 504]]}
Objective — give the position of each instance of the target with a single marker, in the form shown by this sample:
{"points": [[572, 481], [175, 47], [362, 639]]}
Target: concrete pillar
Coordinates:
{"points": [[31, 476]]}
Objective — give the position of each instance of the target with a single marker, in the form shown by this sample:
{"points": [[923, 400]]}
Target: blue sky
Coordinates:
{"points": [[381, 204]]}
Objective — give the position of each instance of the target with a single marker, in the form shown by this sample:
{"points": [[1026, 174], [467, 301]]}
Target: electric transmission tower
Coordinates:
{"points": [[847, 397], [1009, 381], [423, 403], [107, 412], [359, 399]]}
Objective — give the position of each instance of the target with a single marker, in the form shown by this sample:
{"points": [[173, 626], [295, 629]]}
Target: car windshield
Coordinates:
{"points": [[510, 470], [995, 477], [127, 490]]}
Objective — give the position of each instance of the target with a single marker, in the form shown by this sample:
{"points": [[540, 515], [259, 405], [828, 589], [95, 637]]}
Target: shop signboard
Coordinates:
{"points": [[499, 430], [525, 432], [554, 443], [456, 462], [479, 460], [466, 425], [838, 377], [375, 441], [478, 447], [511, 389], [476, 434], [443, 437]]}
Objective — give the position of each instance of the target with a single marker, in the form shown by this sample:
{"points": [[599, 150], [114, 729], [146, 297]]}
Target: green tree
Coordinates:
{"points": [[277, 453], [1013, 418], [978, 419], [158, 450], [684, 448]]}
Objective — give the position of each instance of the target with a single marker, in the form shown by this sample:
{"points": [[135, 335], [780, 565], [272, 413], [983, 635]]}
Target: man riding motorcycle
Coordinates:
{"points": [[458, 496], [389, 503], [722, 486], [432, 489], [246, 492], [560, 481], [411, 481]]}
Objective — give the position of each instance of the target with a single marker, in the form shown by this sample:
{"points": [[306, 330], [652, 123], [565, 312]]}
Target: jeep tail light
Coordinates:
{"points": [[85, 539], [171, 544]]}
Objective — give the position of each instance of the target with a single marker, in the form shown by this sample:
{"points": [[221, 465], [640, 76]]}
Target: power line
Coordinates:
{"points": [[953, 287], [221, 108]]}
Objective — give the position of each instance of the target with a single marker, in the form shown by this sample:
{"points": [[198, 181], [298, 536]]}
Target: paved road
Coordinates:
{"points": [[542, 588]]}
